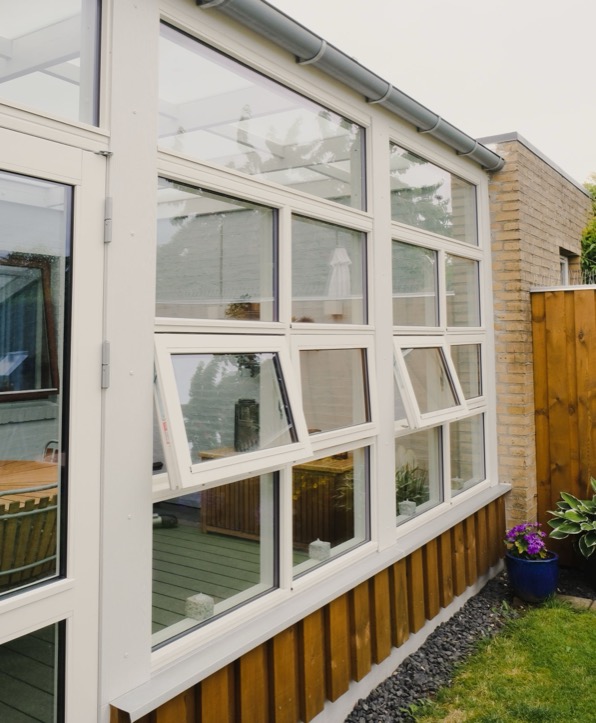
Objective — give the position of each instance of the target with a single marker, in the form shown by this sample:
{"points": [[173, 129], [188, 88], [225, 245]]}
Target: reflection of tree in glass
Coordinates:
{"points": [[421, 206], [414, 268], [215, 387], [335, 142]]}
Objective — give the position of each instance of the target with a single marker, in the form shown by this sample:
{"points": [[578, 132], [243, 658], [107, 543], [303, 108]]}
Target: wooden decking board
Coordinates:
{"points": [[35, 646], [38, 675], [8, 713], [187, 561], [221, 556], [181, 576], [188, 567], [31, 702], [27, 675]]}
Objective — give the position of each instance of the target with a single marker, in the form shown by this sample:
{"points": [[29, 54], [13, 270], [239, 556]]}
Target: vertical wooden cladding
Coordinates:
{"points": [[289, 678], [564, 338]]}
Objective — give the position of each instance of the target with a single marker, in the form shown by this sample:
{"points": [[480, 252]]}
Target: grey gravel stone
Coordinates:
{"points": [[433, 665]]}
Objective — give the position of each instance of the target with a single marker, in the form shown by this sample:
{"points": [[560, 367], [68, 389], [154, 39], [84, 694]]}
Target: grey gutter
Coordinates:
{"points": [[310, 49]]}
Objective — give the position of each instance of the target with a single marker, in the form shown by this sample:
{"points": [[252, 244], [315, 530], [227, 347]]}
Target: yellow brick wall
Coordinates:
{"points": [[535, 212]]}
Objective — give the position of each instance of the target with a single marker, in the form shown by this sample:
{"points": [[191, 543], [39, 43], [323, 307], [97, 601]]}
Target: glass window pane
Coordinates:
{"points": [[426, 196], [418, 473], [328, 272], [467, 362], [467, 453], [415, 299], [232, 403], [399, 409], [50, 57], [463, 291], [212, 551], [215, 256], [30, 676], [329, 508], [334, 391], [217, 110], [430, 378], [35, 218]]}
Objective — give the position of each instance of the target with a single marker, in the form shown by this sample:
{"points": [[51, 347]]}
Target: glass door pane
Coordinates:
{"points": [[30, 673], [35, 222]]}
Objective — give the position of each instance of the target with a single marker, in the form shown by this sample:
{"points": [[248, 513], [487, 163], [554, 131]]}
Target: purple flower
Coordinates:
{"points": [[526, 541]]}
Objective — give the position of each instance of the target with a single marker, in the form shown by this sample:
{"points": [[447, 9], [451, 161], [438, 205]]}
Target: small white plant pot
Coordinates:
{"points": [[407, 508]]}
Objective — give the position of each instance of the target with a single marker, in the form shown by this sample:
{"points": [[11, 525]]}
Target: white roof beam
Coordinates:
{"points": [[42, 48]]}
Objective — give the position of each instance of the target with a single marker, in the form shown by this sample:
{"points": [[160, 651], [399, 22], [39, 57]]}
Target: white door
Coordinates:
{"points": [[51, 300]]}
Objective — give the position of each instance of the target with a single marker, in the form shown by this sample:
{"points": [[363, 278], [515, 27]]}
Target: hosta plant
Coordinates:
{"points": [[576, 517]]}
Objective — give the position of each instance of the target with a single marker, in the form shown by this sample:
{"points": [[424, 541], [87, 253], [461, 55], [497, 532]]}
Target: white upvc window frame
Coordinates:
{"points": [[478, 340], [430, 245], [187, 476], [416, 418], [303, 342]]}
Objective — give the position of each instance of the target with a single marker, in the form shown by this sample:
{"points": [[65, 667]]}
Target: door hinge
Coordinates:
{"points": [[105, 365], [107, 223]]}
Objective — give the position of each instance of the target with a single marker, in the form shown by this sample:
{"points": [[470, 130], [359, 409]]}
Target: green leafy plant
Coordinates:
{"points": [[411, 483], [576, 517]]}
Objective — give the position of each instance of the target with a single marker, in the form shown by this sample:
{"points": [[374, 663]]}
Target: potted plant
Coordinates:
{"points": [[577, 517], [411, 488], [533, 570]]}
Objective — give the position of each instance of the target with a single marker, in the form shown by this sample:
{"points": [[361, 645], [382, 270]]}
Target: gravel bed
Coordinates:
{"points": [[432, 666]]}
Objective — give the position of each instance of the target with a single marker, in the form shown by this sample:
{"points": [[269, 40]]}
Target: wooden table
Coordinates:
{"points": [[323, 503], [22, 480]]}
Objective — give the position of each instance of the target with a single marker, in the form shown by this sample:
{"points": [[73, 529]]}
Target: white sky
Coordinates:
{"points": [[486, 67]]}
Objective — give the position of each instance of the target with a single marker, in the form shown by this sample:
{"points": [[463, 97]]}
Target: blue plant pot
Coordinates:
{"points": [[533, 580]]}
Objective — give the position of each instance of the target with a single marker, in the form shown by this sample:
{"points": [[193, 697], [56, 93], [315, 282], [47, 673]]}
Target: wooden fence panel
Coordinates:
{"points": [[283, 665], [399, 603], [560, 367], [416, 608], [312, 665], [430, 561], [253, 686], [482, 563], [585, 327], [564, 338], [459, 558], [360, 634], [216, 699], [470, 547], [338, 659], [180, 709], [381, 616], [445, 569]]}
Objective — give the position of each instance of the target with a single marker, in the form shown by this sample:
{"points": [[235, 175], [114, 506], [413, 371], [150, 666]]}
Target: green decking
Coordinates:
{"points": [[27, 678], [187, 561]]}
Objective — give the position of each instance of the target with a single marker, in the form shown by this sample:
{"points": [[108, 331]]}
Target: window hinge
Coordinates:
{"points": [[107, 223], [105, 365]]}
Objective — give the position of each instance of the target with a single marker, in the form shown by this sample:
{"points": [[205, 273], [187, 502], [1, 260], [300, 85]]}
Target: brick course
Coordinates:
{"points": [[535, 213]]}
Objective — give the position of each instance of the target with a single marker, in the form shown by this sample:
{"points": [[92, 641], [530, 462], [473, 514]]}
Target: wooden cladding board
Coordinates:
{"points": [[289, 678], [564, 343]]}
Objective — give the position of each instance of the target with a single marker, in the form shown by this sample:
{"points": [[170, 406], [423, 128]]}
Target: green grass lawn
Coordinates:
{"points": [[541, 667]]}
